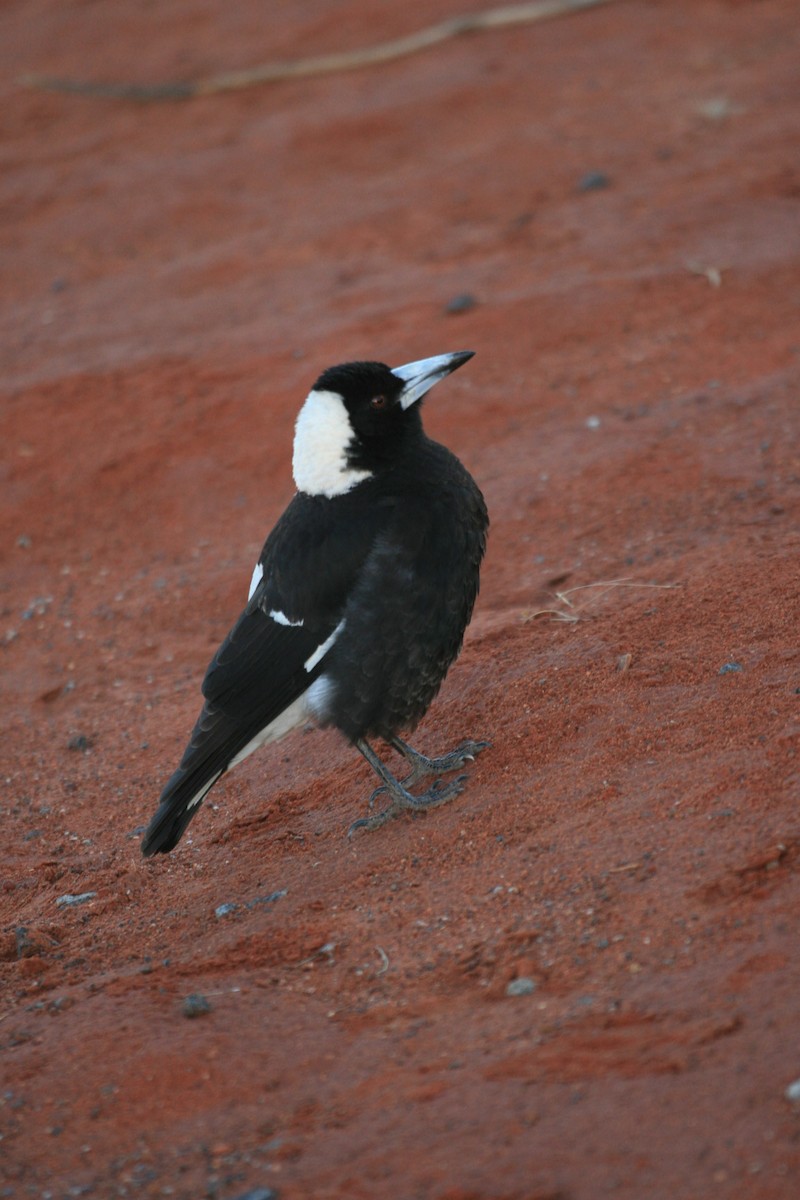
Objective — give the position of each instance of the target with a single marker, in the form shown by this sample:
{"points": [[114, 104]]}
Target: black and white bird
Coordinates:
{"points": [[359, 601]]}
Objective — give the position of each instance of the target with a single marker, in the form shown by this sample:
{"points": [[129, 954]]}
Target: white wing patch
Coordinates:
{"points": [[258, 575], [321, 438], [313, 703], [281, 619], [323, 649], [319, 697], [296, 714], [204, 790]]}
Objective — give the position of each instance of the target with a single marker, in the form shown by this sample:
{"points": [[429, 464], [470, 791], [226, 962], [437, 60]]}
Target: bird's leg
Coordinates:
{"points": [[421, 766], [399, 797]]}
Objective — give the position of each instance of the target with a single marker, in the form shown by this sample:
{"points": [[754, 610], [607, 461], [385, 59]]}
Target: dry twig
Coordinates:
{"points": [[321, 64]]}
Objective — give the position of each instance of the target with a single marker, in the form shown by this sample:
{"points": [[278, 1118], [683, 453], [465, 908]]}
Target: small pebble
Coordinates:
{"points": [[792, 1092], [67, 901], [521, 987], [718, 108], [594, 181], [79, 742], [37, 607], [463, 302], [730, 667], [195, 1005], [258, 1194], [270, 899], [26, 948]]}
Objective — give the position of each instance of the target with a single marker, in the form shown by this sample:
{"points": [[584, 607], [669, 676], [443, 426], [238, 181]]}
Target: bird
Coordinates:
{"points": [[359, 600]]}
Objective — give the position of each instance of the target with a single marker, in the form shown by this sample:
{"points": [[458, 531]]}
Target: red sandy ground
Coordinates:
{"points": [[175, 275]]}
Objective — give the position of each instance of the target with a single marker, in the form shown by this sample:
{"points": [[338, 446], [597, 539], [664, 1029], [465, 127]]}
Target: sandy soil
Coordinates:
{"points": [[618, 194]]}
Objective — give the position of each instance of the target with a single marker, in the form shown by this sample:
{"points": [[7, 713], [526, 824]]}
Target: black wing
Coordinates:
{"points": [[309, 563]]}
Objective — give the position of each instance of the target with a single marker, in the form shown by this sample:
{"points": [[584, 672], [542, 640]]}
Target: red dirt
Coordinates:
{"points": [[175, 275]]}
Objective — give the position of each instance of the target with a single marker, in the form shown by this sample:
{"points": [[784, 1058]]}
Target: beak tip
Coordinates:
{"points": [[458, 358], [420, 377]]}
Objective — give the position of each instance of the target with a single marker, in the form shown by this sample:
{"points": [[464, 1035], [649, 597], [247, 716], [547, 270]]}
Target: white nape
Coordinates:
{"points": [[323, 649], [258, 575], [322, 436]]}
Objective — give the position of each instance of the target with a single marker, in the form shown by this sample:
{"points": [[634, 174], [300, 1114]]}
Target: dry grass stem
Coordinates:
{"points": [[571, 613]]}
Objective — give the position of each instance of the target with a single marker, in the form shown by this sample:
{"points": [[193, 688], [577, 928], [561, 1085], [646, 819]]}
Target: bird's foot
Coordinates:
{"points": [[422, 767], [401, 800]]}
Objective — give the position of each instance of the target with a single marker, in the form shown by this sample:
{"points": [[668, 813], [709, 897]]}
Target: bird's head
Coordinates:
{"points": [[358, 416]]}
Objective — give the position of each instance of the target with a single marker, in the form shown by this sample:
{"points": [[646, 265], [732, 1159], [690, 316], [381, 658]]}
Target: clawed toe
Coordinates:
{"points": [[422, 767], [440, 792], [403, 801], [379, 791], [467, 752], [368, 823]]}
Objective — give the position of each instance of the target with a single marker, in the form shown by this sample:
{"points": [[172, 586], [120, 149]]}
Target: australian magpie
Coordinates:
{"points": [[359, 601]]}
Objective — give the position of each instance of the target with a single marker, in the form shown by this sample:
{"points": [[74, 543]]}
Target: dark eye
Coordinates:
{"points": [[378, 402]]}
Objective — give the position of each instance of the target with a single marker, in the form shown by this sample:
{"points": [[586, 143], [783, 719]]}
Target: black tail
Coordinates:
{"points": [[255, 677], [178, 803], [215, 742]]}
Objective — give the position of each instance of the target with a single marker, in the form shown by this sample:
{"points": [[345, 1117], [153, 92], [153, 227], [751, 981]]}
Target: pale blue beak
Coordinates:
{"points": [[420, 377]]}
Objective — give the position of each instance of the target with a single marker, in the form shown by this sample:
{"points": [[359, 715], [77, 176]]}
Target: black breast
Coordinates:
{"points": [[406, 616]]}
